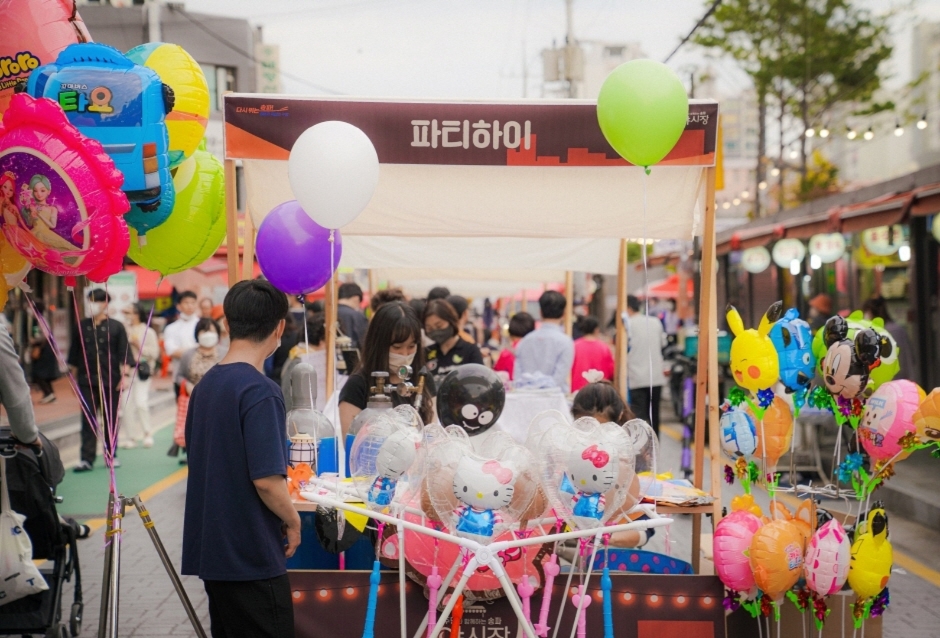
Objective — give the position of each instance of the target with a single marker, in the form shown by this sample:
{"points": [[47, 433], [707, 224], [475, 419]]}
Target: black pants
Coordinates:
{"points": [[109, 407], [45, 386], [645, 404], [256, 608]]}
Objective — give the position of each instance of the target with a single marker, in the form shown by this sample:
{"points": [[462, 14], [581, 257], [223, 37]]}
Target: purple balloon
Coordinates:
{"points": [[294, 251]]}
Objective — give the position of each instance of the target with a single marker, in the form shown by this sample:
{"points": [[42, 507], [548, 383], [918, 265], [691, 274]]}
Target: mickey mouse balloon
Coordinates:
{"points": [[471, 396], [848, 363]]}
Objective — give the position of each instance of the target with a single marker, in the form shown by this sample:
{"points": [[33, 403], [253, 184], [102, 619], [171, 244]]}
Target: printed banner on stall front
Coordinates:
{"points": [[531, 133]]}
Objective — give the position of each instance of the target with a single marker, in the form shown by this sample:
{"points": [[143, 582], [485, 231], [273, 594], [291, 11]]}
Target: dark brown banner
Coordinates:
{"points": [[332, 604], [531, 133]]}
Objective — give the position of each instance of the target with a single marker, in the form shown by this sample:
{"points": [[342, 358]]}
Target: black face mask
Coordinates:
{"points": [[440, 337]]}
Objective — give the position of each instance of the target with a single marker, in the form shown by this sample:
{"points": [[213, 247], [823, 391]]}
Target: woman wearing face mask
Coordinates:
{"points": [[449, 350], [194, 364], [392, 341]]}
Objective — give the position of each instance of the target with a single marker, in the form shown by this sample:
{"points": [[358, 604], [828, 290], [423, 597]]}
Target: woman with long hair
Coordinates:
{"points": [[392, 341], [442, 325]]}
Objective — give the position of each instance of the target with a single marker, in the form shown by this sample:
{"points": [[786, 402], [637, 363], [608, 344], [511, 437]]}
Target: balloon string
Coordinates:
{"points": [[646, 294]]}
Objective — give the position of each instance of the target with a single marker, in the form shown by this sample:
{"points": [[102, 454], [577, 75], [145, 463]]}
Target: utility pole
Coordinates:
{"points": [[569, 47], [154, 33]]}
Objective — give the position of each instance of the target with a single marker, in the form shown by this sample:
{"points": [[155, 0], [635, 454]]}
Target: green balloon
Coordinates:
{"points": [[642, 110], [196, 227]]}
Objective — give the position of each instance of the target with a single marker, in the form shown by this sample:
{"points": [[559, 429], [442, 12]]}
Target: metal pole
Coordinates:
{"points": [[115, 592], [168, 565], [106, 577]]}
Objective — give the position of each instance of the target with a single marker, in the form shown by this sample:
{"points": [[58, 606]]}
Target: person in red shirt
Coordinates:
{"points": [[520, 325], [590, 353]]}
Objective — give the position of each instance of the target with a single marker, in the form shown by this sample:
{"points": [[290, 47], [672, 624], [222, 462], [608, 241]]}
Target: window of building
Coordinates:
{"points": [[614, 52], [220, 79]]}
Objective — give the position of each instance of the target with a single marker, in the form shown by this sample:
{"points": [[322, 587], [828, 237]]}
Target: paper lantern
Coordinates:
{"points": [[731, 545], [777, 558]]}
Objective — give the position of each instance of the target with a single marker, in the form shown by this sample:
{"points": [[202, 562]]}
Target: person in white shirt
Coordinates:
{"points": [[180, 336], [646, 340]]}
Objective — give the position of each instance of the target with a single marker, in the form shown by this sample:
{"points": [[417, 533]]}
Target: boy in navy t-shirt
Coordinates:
{"points": [[239, 526]]}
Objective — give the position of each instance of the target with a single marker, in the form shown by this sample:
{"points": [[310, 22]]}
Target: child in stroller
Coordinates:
{"points": [[33, 473]]}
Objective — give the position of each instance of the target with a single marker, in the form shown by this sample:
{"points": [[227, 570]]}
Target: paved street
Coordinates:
{"points": [[150, 608]]}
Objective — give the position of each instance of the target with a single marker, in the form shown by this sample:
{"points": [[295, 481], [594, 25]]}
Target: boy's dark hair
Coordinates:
{"points": [[521, 324], [601, 398], [459, 303], [99, 295], [633, 303], [588, 325], [438, 292], [419, 306], [552, 305], [253, 309], [442, 310], [318, 306], [316, 328], [187, 294], [349, 290], [206, 324], [382, 297]]}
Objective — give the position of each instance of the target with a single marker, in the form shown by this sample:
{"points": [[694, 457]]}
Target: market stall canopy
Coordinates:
{"points": [[537, 168], [667, 288]]}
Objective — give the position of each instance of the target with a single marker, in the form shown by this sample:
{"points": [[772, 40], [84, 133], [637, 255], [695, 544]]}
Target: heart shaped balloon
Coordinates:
{"points": [[586, 471]]}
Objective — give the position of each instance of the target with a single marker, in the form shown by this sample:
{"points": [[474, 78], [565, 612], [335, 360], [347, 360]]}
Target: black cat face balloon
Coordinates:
{"points": [[471, 396]]}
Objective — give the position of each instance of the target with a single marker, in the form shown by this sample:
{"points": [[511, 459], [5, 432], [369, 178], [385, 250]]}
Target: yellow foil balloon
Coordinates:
{"points": [[777, 558], [746, 503], [927, 418], [196, 227], [872, 556], [754, 362], [186, 123], [775, 433]]}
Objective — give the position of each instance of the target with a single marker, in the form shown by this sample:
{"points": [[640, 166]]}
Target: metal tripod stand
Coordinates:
{"points": [[110, 583]]}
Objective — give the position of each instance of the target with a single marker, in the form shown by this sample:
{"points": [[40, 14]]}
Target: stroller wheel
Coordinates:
{"points": [[75, 619], [57, 631]]}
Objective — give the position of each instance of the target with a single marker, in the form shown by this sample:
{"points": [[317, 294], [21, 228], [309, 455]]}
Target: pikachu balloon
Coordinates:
{"points": [[872, 556], [754, 362]]}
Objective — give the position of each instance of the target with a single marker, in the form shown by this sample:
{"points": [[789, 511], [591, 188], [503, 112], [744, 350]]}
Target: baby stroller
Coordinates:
{"points": [[32, 481]]}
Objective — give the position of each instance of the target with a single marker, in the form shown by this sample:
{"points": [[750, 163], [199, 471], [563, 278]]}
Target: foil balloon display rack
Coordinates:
{"points": [[477, 555]]}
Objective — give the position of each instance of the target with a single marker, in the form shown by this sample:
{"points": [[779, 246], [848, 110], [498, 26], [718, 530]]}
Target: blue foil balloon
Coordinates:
{"points": [[793, 341]]}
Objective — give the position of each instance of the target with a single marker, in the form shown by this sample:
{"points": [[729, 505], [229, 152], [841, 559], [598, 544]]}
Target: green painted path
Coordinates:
{"points": [[86, 495]]}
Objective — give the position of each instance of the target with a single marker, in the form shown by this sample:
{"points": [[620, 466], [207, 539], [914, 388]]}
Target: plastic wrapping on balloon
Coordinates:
{"points": [[66, 213], [738, 433], [587, 471], [889, 362], [827, 560], [793, 340], [196, 228], [754, 363], [888, 416], [776, 556], [731, 545], [471, 396], [927, 419], [32, 33], [541, 424], [479, 497], [186, 123], [384, 451], [645, 445], [120, 104]]}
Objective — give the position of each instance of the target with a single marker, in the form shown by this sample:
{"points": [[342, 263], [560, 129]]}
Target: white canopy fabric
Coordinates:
{"points": [[475, 288], [488, 258], [511, 201]]}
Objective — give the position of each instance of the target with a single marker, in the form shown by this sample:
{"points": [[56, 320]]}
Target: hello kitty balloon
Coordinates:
{"points": [[586, 471], [383, 452], [479, 496]]}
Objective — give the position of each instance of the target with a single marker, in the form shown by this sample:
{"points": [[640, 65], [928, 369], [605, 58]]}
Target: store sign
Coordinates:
{"points": [[755, 260], [786, 251], [829, 247], [884, 240]]}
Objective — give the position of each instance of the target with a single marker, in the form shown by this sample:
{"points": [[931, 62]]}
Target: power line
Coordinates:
{"points": [[202, 27], [705, 17]]}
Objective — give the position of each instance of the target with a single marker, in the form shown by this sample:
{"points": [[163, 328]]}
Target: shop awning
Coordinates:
{"points": [[891, 202], [667, 288], [149, 285]]}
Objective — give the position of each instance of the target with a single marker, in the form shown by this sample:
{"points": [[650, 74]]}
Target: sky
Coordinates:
{"points": [[481, 48]]}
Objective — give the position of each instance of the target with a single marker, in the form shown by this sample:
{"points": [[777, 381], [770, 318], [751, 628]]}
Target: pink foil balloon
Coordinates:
{"points": [[66, 211], [889, 415], [731, 542], [32, 33], [828, 558]]}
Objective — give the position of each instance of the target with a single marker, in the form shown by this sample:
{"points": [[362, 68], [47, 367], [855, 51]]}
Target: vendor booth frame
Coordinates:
{"points": [[557, 172]]}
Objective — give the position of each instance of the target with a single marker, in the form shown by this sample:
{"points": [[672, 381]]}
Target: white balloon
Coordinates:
{"points": [[333, 171]]}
